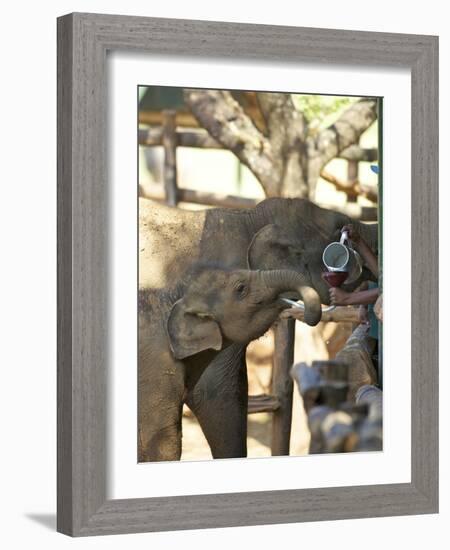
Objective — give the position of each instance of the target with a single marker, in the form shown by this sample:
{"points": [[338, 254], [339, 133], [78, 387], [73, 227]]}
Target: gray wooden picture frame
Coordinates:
{"points": [[83, 42]]}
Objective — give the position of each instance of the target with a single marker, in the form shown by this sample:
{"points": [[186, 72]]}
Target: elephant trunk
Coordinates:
{"points": [[281, 280]]}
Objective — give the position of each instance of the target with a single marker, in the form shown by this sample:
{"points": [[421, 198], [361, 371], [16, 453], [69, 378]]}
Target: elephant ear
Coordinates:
{"points": [[189, 333], [271, 238]]}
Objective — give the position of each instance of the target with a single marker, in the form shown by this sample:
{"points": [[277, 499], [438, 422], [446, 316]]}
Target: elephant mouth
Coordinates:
{"points": [[203, 315], [287, 299], [290, 295]]}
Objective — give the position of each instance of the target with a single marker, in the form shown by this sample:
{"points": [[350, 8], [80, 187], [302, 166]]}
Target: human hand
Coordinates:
{"points": [[352, 232], [293, 313], [339, 297]]}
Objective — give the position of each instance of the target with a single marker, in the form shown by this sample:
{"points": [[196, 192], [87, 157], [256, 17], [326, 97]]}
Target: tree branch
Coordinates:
{"points": [[346, 130], [219, 113], [355, 152], [352, 189]]}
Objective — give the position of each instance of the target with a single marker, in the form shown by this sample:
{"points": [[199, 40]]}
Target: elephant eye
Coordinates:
{"points": [[241, 288]]}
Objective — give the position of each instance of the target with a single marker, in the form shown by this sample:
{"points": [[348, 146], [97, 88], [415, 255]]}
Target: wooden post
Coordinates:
{"points": [[352, 176], [373, 397], [342, 314], [169, 142], [282, 385]]}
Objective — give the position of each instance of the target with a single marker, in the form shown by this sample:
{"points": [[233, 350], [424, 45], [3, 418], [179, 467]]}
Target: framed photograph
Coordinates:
{"points": [[247, 274]]}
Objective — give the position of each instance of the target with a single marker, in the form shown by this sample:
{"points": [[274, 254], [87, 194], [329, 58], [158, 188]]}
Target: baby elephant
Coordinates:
{"points": [[191, 338]]}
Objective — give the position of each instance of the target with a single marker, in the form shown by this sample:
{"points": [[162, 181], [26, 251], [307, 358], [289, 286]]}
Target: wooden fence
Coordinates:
{"points": [[170, 137], [339, 423], [279, 403]]}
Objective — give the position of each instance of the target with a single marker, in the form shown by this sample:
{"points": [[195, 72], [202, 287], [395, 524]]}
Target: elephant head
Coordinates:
{"points": [[219, 307], [296, 248]]}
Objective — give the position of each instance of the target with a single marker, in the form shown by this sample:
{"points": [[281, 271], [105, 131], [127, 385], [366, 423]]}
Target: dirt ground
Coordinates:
{"points": [[311, 343]]}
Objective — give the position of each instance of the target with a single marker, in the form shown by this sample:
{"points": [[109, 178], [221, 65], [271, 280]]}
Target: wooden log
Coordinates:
{"points": [[282, 386], [306, 377], [342, 314], [322, 383], [358, 411], [308, 382], [336, 424], [200, 138], [316, 417], [152, 136], [154, 118], [357, 355], [370, 437], [373, 398], [331, 371], [338, 432], [352, 177], [203, 197], [333, 394], [370, 430], [262, 403], [169, 142]]}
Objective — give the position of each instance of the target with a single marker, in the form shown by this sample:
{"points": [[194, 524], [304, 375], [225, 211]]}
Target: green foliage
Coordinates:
{"points": [[142, 91], [322, 110]]}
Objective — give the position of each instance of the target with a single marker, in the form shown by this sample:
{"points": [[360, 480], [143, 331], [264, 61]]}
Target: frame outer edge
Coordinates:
{"points": [[425, 272], [256, 508], [253, 41], [90, 226], [82, 267], [82, 271], [64, 275]]}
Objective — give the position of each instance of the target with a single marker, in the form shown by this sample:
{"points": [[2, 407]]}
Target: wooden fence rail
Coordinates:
{"points": [[152, 136], [170, 137], [341, 314], [202, 197]]}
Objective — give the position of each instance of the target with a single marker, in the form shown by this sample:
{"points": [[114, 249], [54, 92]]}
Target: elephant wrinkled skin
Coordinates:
{"points": [[278, 233]]}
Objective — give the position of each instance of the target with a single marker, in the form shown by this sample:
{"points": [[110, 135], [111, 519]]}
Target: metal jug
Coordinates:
{"points": [[337, 257], [340, 256]]}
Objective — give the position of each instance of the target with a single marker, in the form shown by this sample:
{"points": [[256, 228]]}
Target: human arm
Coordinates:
{"points": [[368, 256], [362, 248], [336, 315], [339, 297]]}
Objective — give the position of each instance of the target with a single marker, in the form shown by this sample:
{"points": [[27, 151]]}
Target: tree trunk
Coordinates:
{"points": [[287, 161]]}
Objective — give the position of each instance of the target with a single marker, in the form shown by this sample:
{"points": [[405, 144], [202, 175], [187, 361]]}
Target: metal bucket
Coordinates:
{"points": [[340, 256]]}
